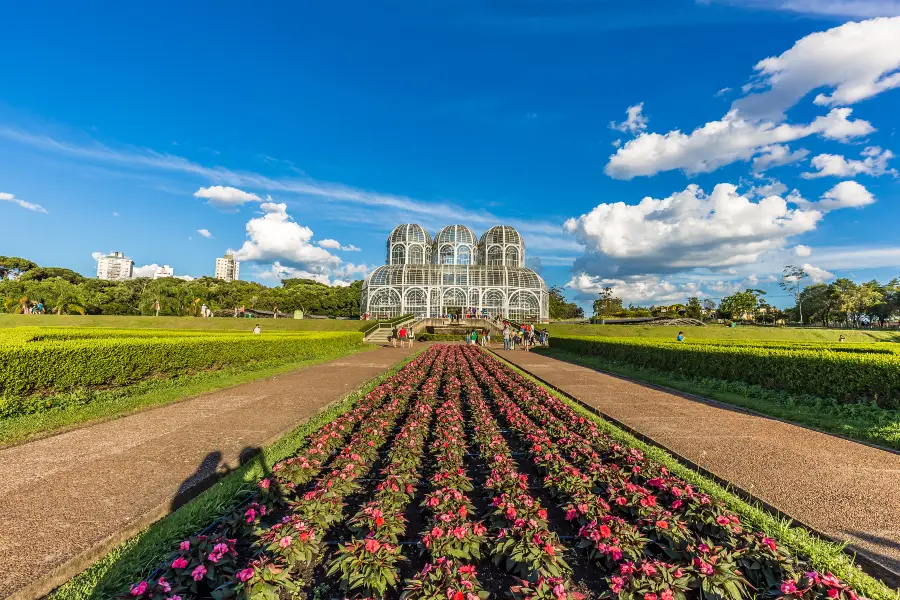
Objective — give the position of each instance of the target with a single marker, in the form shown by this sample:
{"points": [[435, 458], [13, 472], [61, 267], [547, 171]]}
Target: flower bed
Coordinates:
{"points": [[557, 501]]}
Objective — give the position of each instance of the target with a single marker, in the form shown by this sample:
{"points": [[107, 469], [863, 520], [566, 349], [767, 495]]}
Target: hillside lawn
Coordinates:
{"points": [[211, 324], [741, 332]]}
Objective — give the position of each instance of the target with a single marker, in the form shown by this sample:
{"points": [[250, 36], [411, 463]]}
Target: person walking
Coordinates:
{"points": [[402, 334], [506, 337], [474, 337], [155, 307], [394, 336]]}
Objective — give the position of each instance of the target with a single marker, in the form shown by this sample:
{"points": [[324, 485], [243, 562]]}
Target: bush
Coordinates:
{"points": [[57, 365], [822, 372]]}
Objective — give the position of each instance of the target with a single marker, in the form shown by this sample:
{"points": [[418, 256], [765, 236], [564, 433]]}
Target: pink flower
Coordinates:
{"points": [[250, 514], [264, 483], [164, 585], [285, 541], [571, 514], [185, 545], [199, 573], [175, 597], [788, 587], [245, 574], [179, 563], [650, 596], [372, 545], [617, 584], [833, 592], [666, 595], [723, 520], [137, 590], [767, 541]]}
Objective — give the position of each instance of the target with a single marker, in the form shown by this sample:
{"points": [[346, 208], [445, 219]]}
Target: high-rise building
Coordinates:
{"points": [[163, 271], [115, 267], [227, 268]]}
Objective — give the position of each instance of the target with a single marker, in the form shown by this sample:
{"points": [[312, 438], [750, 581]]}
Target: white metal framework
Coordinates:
{"points": [[455, 273]]}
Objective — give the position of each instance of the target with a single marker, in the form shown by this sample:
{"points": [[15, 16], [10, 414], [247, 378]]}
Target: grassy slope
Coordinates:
{"points": [[723, 333], [108, 404], [824, 555], [867, 423], [144, 552], [7, 320]]}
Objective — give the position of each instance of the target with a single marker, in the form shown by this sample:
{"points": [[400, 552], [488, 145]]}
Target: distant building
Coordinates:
{"points": [[227, 268], [164, 271], [115, 267]]}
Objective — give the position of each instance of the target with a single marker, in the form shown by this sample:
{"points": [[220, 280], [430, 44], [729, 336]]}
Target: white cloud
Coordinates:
{"points": [[719, 143], [341, 276], [723, 91], [846, 194], [636, 290], [275, 236], [858, 257], [874, 163], [26, 205], [97, 256], [854, 61], [616, 143], [635, 122], [336, 245], [817, 275], [225, 196], [146, 270], [802, 251], [205, 233], [772, 188], [388, 209], [777, 155], [863, 9], [687, 230]]}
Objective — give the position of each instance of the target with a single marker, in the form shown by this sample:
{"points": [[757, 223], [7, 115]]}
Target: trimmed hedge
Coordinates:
{"points": [[846, 376], [43, 366]]}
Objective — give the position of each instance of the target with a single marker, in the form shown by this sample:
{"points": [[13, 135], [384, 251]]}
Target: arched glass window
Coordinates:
{"points": [[416, 255], [454, 299], [493, 302], [512, 257], [463, 255], [495, 256], [385, 304], [446, 257], [416, 302], [398, 255], [524, 306]]}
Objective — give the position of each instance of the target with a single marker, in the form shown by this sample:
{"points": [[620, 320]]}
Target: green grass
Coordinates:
{"points": [[141, 554], [84, 406], [863, 422], [215, 324], [824, 555], [720, 332]]}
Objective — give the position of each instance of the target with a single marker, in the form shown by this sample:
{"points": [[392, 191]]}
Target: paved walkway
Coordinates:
{"points": [[846, 490], [68, 499]]}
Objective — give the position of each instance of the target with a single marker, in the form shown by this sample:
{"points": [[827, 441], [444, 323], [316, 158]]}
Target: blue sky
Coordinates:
{"points": [[762, 133]]}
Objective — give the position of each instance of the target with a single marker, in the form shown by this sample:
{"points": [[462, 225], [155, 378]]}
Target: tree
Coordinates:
{"points": [[12, 267], [607, 305], [741, 305], [792, 281], [694, 309], [709, 308], [560, 308]]}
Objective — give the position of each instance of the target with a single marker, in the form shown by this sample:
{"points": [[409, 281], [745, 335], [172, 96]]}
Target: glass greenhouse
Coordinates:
{"points": [[455, 273]]}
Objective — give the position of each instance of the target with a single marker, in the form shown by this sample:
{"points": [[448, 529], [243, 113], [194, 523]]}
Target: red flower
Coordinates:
{"points": [[542, 513], [379, 522], [459, 596], [662, 524], [723, 520], [605, 531], [549, 549], [372, 545], [650, 596]]}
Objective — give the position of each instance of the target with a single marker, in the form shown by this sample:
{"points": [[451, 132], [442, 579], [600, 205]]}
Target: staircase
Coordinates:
{"points": [[381, 333]]}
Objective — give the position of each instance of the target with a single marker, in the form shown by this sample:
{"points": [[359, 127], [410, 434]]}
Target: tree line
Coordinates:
{"points": [[24, 284]]}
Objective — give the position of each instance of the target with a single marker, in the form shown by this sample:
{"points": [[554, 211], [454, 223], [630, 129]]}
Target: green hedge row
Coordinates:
{"points": [[846, 376], [51, 366]]}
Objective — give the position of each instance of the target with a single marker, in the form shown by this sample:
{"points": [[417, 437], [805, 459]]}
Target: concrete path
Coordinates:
{"points": [[846, 490], [68, 499]]}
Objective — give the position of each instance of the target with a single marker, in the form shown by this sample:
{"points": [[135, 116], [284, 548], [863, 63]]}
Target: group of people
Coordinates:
{"points": [[526, 336], [403, 335], [33, 308], [479, 338]]}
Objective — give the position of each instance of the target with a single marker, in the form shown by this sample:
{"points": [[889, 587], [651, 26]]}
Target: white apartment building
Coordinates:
{"points": [[115, 267], [227, 268], [163, 271]]}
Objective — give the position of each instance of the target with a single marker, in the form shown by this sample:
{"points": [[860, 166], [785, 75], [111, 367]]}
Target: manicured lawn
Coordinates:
{"points": [[118, 322], [725, 333]]}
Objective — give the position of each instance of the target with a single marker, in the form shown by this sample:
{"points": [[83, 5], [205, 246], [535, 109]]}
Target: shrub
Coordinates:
{"points": [[847, 376], [51, 365]]}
